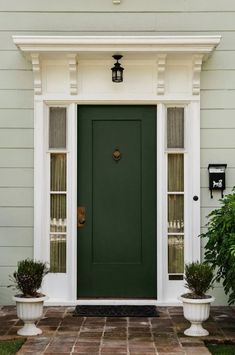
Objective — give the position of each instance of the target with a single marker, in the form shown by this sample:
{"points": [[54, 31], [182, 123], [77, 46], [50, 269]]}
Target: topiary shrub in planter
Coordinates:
{"points": [[29, 303], [196, 303], [198, 279], [220, 246]]}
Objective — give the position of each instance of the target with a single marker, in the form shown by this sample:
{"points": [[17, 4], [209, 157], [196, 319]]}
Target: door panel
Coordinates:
{"points": [[116, 192], [117, 245]]}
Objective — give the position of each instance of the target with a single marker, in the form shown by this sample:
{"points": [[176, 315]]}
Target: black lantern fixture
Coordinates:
{"points": [[117, 70]]}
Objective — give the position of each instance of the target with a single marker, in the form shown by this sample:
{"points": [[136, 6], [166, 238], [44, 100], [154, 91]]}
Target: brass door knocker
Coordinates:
{"points": [[117, 155]]}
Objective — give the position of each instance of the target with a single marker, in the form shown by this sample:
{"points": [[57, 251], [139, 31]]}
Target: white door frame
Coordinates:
{"points": [[192, 50], [192, 251]]}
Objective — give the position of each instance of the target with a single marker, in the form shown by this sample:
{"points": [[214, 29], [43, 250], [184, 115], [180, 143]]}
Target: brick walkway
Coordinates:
{"points": [[65, 334]]}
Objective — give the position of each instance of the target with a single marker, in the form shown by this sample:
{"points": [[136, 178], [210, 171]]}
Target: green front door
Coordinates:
{"points": [[117, 188]]}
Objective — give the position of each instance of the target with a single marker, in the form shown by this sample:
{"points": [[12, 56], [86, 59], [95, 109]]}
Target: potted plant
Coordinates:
{"points": [[196, 304], [29, 304], [220, 246]]}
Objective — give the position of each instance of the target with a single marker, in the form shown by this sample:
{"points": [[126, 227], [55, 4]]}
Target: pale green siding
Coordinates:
{"points": [[101, 17], [126, 6]]}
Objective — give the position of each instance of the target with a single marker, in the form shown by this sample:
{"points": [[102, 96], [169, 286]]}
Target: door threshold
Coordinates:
{"points": [[112, 302], [116, 302]]}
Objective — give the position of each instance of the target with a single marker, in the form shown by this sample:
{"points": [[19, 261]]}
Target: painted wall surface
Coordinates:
{"points": [[131, 17]]}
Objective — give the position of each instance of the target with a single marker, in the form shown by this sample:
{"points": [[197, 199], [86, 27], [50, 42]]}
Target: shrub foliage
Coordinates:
{"points": [[28, 277], [198, 277], [220, 247]]}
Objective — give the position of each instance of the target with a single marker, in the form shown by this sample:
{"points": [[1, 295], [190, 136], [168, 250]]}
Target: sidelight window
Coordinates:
{"points": [[58, 188], [175, 192]]}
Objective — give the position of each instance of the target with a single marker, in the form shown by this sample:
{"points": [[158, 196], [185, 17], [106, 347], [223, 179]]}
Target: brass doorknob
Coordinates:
{"points": [[82, 220], [81, 217]]}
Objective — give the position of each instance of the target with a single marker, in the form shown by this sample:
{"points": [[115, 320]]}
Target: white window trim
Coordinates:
{"points": [[68, 281], [168, 290]]}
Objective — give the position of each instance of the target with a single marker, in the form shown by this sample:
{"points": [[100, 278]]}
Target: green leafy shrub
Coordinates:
{"points": [[28, 277], [198, 277], [220, 247]]}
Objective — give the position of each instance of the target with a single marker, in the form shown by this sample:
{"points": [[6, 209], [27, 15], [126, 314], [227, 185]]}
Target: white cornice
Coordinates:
{"points": [[203, 45]]}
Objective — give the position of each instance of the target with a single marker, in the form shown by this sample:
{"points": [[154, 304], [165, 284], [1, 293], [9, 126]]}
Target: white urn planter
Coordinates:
{"points": [[196, 311], [29, 310]]}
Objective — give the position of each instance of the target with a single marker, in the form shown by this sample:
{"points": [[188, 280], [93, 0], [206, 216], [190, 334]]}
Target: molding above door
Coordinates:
{"points": [[161, 50], [203, 45]]}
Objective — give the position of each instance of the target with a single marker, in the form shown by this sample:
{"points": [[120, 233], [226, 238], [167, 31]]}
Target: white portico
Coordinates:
{"points": [[162, 71]]}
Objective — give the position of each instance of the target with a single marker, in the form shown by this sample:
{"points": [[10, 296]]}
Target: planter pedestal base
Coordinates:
{"points": [[196, 330], [29, 329]]}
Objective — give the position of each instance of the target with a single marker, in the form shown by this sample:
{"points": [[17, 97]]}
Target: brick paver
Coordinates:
{"points": [[65, 334]]}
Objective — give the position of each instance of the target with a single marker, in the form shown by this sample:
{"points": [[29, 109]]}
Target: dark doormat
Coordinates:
{"points": [[115, 311]]}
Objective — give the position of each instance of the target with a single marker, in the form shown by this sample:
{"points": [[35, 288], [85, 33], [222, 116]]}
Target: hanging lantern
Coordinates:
{"points": [[117, 70]]}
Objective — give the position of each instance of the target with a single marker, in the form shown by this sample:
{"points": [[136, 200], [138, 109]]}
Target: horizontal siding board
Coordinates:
{"points": [[5, 273], [195, 21], [220, 298], [218, 138], [214, 80], [77, 21], [10, 60], [230, 177], [16, 99], [6, 42], [16, 236], [107, 5], [16, 216], [220, 60], [16, 158], [217, 119], [218, 99], [16, 118], [9, 256], [16, 138], [207, 201], [6, 294], [16, 79], [217, 156], [205, 211], [16, 197], [115, 21], [16, 177]]}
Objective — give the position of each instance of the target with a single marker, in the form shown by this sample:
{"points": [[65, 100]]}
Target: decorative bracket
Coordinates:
{"points": [[73, 81], [36, 73], [196, 67], [161, 68]]}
